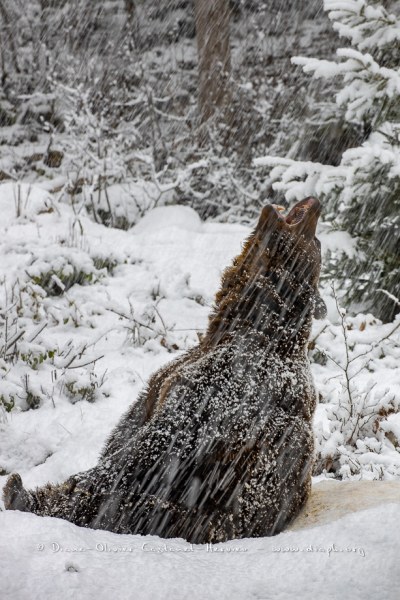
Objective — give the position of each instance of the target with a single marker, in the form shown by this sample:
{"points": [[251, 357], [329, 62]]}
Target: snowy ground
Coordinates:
{"points": [[87, 313], [354, 557]]}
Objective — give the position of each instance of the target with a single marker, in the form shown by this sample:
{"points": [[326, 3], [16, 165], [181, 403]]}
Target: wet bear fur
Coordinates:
{"points": [[220, 444]]}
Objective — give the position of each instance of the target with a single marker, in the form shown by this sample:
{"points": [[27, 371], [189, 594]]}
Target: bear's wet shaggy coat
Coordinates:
{"points": [[220, 444]]}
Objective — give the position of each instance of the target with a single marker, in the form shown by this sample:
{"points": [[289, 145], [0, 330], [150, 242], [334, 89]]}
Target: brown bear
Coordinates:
{"points": [[220, 443]]}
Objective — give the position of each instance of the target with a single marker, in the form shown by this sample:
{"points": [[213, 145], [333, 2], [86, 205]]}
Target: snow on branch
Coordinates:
{"points": [[366, 83], [367, 24]]}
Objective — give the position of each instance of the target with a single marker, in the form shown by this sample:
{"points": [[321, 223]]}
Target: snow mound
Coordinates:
{"points": [[182, 217], [347, 558], [22, 200]]}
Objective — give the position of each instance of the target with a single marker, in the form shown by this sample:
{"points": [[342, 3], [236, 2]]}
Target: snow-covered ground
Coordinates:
{"points": [[354, 557], [87, 313]]}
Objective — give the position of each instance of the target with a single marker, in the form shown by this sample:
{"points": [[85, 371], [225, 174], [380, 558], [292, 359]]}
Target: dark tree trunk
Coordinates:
{"points": [[212, 31]]}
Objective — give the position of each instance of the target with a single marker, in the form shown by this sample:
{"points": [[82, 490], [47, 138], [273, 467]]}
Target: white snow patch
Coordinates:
{"points": [[348, 558]]}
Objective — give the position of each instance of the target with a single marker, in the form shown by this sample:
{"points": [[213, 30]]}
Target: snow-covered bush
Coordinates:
{"points": [[33, 365], [23, 353], [56, 275], [107, 174], [352, 439], [360, 195], [83, 384]]}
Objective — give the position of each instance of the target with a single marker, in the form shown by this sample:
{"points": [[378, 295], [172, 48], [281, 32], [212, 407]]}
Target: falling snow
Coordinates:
{"points": [[146, 390]]}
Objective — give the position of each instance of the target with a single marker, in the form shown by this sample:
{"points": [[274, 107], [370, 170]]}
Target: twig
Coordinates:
{"points": [[85, 364]]}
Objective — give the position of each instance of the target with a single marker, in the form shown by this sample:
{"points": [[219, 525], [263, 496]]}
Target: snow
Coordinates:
{"points": [[23, 201], [162, 217], [365, 25], [350, 557], [366, 84], [333, 239]]}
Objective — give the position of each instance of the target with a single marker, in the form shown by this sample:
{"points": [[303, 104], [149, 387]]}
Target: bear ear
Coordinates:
{"points": [[269, 218], [303, 217]]}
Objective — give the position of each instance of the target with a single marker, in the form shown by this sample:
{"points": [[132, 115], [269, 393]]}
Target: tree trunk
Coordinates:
{"points": [[212, 31]]}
